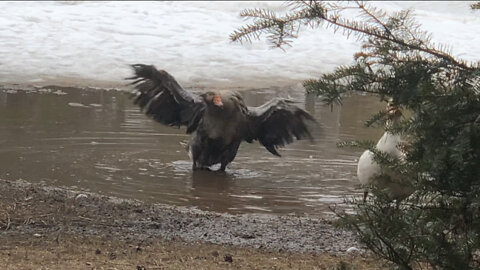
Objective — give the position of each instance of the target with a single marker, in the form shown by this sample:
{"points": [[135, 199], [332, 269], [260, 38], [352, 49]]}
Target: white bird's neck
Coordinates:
{"points": [[389, 142]]}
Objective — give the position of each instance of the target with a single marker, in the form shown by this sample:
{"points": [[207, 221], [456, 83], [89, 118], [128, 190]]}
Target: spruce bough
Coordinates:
{"points": [[439, 224]]}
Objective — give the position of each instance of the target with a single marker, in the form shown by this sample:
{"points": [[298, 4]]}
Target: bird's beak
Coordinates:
{"points": [[217, 100], [393, 110]]}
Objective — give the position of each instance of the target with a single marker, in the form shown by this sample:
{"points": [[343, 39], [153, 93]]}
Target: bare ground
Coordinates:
{"points": [[42, 227]]}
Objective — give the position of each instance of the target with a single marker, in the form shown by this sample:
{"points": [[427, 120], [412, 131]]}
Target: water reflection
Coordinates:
{"points": [[98, 141]]}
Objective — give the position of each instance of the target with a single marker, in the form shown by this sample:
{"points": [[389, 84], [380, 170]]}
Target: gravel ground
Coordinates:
{"points": [[43, 227], [39, 209]]}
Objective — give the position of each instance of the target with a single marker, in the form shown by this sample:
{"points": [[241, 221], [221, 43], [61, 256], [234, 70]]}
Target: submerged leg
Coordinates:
{"points": [[194, 166], [228, 155], [223, 166]]}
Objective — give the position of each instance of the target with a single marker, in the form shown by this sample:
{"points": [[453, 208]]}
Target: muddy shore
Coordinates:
{"points": [[35, 216]]}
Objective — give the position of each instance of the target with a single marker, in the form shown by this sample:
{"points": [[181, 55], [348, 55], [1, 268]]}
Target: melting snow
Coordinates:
{"points": [[91, 43]]}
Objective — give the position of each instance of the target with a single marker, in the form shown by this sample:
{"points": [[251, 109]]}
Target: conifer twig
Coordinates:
{"points": [[316, 10]]}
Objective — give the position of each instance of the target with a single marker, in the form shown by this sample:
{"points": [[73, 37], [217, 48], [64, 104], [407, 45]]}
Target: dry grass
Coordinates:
{"points": [[78, 252]]}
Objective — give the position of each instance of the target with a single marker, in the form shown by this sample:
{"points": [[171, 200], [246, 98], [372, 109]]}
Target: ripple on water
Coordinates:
{"points": [[97, 140]]}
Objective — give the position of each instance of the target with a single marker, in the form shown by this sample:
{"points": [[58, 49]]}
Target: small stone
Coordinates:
{"points": [[37, 235], [98, 251], [215, 253], [352, 249], [81, 196], [228, 258]]}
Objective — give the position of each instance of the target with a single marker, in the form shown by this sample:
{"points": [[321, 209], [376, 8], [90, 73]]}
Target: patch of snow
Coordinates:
{"points": [[91, 43]]}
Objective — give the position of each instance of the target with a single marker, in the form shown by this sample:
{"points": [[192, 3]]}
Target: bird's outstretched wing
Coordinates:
{"points": [[161, 97], [277, 122]]}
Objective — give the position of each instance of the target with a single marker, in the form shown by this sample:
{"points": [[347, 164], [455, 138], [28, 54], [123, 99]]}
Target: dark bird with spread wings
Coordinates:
{"points": [[218, 121]]}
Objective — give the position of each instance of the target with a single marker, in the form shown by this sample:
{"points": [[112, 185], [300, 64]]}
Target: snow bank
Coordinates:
{"points": [[91, 43]]}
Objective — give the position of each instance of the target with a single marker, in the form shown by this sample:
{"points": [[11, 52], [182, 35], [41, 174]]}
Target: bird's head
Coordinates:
{"points": [[213, 98], [393, 111]]}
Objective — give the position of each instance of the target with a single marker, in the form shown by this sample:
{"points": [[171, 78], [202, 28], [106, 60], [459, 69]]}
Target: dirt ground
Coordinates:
{"points": [[52, 228]]}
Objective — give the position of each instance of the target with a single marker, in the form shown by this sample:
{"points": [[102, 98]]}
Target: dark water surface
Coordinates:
{"points": [[96, 140]]}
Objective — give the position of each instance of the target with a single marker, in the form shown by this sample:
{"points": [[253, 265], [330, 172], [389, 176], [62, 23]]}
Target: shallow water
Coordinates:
{"points": [[96, 140]]}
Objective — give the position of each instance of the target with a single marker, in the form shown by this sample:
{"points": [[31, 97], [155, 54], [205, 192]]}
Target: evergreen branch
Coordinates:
{"points": [[377, 34], [375, 18], [357, 144], [390, 249], [380, 116], [316, 11], [442, 96]]}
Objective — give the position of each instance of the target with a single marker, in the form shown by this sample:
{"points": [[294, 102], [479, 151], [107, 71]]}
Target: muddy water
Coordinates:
{"points": [[96, 140]]}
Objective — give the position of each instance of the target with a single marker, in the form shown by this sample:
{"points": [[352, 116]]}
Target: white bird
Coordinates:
{"points": [[368, 171]]}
